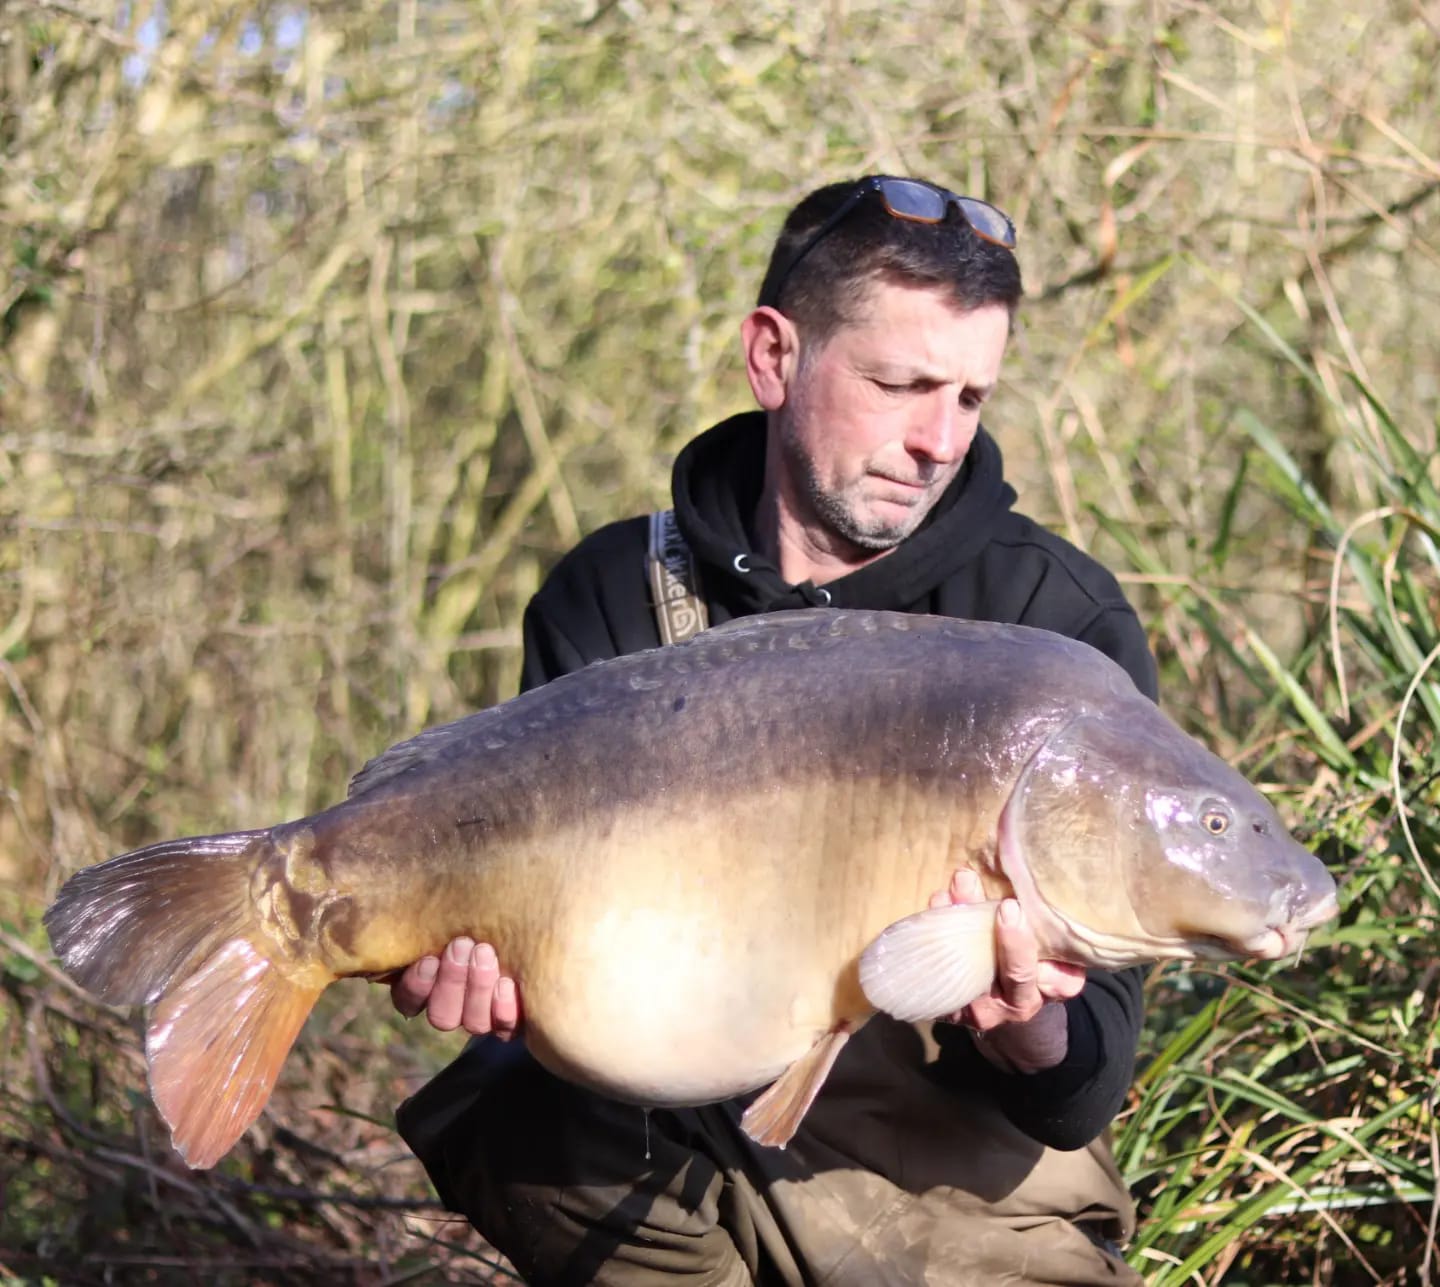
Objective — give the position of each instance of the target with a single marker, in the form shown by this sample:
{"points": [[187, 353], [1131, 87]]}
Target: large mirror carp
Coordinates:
{"points": [[706, 865]]}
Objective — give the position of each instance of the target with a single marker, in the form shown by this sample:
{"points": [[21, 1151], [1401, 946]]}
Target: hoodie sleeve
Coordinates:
{"points": [[1067, 1106], [549, 650], [595, 604]]}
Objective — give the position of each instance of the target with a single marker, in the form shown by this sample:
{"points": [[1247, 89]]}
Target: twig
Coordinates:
{"points": [[1425, 1277], [1333, 604], [547, 457], [97, 25], [314, 1197], [1309, 1016], [22, 949], [1262, 1163], [103, 1147], [1410, 692]]}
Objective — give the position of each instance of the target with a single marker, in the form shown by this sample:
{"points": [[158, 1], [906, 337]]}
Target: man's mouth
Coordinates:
{"points": [[909, 486]]}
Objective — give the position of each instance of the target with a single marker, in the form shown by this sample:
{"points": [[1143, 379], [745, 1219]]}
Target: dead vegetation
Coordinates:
{"points": [[324, 328]]}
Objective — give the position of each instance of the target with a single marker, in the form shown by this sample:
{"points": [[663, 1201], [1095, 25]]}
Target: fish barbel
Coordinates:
{"points": [[741, 831]]}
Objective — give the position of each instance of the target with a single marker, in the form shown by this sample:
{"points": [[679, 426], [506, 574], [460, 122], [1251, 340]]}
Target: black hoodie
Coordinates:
{"points": [[973, 557]]}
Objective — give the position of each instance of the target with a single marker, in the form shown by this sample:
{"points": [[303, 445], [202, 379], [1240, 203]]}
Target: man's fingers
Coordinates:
{"points": [[505, 1013], [965, 886], [1022, 1025], [447, 997], [492, 1002], [410, 987], [1017, 961], [1023, 982], [1059, 980], [462, 988], [484, 974]]}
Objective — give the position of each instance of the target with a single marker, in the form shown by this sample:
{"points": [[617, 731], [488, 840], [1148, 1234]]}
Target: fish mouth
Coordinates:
{"points": [[1278, 941], [1273, 944], [1321, 912]]}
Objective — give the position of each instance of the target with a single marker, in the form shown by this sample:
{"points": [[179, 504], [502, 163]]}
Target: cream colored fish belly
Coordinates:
{"points": [[667, 979]]}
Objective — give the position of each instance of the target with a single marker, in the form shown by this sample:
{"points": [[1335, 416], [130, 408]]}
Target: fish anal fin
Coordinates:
{"points": [[775, 1116], [216, 1043], [933, 963]]}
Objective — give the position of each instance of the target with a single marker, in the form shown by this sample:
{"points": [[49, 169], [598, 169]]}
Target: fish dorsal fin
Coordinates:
{"points": [[557, 702], [791, 619], [423, 747], [933, 963]]}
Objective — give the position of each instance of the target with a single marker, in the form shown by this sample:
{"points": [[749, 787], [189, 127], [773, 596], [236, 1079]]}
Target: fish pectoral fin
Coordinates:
{"points": [[216, 1042], [775, 1116], [933, 963]]}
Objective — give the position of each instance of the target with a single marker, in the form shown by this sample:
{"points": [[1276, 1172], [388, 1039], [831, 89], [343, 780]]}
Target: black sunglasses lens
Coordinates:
{"points": [[904, 199], [988, 221], [907, 199], [911, 200]]}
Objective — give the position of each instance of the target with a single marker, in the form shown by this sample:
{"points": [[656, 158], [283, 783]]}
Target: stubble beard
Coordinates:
{"points": [[844, 513]]}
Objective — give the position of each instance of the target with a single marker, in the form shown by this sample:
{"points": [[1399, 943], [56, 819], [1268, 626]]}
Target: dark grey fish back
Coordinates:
{"points": [[770, 695]]}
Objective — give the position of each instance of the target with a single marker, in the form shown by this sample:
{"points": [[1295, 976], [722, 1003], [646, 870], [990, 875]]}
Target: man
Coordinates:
{"points": [[960, 1153]]}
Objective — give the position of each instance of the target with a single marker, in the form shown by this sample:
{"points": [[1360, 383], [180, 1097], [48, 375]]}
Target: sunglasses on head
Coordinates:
{"points": [[911, 199]]}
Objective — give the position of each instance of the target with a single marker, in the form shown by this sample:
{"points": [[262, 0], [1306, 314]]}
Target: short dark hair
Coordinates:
{"points": [[824, 291]]}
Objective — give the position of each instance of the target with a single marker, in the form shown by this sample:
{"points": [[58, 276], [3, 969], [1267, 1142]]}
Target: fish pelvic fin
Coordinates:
{"points": [[933, 963], [216, 1043], [177, 926], [775, 1116]]}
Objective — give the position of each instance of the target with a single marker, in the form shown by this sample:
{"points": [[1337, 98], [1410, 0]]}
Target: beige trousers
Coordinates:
{"points": [[893, 1179]]}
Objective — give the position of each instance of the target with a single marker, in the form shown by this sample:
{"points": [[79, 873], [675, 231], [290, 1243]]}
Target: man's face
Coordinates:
{"points": [[877, 420]]}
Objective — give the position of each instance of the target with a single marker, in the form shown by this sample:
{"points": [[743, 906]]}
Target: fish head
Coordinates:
{"points": [[1134, 843]]}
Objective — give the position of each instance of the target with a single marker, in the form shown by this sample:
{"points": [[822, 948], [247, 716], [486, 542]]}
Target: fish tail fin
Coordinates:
{"points": [[175, 925], [127, 929], [216, 1043]]}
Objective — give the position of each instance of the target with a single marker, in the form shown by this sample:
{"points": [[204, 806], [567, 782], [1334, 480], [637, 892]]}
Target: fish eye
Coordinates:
{"points": [[1215, 821]]}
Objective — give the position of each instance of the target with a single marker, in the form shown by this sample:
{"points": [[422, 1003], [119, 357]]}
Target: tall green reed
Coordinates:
{"points": [[1282, 1128]]}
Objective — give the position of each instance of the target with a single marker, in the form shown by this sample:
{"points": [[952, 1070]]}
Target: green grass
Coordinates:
{"points": [[1283, 1128]]}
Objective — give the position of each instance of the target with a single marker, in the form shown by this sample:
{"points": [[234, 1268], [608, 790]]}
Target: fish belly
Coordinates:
{"points": [[660, 1010], [692, 958]]}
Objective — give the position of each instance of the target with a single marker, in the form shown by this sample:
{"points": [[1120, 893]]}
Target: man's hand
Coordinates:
{"points": [[1021, 1026], [462, 988]]}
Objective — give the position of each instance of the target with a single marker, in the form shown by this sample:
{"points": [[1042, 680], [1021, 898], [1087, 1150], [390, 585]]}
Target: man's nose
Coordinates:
{"points": [[935, 430]]}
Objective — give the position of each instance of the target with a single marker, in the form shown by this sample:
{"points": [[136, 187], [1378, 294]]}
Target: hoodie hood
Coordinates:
{"points": [[716, 485]]}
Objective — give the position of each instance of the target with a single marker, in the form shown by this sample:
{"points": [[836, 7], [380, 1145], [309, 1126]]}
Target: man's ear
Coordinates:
{"points": [[772, 353]]}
